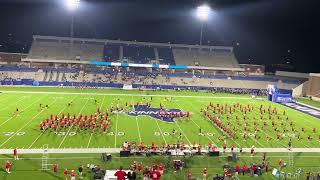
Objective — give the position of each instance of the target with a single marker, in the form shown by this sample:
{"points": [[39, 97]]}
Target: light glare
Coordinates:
{"points": [[72, 4], [203, 12]]}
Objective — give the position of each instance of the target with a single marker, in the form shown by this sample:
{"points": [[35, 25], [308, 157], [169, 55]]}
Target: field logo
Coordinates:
{"points": [[304, 109], [144, 110]]}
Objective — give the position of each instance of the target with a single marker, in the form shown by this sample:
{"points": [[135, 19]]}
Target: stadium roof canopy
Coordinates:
{"points": [[107, 41]]}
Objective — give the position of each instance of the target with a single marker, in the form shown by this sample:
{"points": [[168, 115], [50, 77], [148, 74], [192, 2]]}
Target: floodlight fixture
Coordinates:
{"points": [[72, 5], [203, 12]]}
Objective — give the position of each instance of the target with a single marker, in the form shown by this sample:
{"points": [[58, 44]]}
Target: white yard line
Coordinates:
{"points": [[89, 140], [183, 134], [255, 103], [116, 134], [214, 126], [138, 127], [92, 133], [3, 101], [43, 132], [26, 124], [72, 125], [164, 139], [22, 110], [197, 124]]}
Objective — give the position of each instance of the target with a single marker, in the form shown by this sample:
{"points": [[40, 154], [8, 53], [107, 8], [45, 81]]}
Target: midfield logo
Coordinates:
{"points": [[163, 115]]}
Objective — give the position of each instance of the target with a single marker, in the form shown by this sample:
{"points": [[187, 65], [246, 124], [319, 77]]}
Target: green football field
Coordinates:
{"points": [[22, 130]]}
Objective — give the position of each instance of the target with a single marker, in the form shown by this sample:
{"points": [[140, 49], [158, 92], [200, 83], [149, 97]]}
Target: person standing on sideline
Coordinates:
{"points": [[289, 144], [55, 169], [15, 154], [65, 172], [80, 169], [8, 165], [120, 174], [72, 175], [205, 173]]}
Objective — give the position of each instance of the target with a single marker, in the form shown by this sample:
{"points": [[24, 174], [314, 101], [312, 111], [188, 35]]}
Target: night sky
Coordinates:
{"points": [[262, 31]]}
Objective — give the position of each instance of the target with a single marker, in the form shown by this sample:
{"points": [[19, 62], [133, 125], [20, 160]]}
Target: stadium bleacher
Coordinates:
{"points": [[66, 50], [205, 57]]}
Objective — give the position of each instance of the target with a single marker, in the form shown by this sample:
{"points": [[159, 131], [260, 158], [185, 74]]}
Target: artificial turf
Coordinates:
{"points": [[22, 131]]}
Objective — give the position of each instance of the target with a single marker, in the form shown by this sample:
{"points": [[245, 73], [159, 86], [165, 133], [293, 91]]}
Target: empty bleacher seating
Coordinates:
{"points": [[205, 57]]}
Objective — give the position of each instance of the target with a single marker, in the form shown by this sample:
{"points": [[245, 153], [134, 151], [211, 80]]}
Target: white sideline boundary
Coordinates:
{"points": [[117, 150], [308, 105], [116, 94]]}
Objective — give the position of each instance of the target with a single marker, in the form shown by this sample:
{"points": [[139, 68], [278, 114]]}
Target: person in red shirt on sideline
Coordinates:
{"points": [[280, 163], [244, 169], [189, 175], [15, 154], [139, 167], [55, 169], [72, 175], [121, 175], [226, 174], [65, 173], [146, 173], [267, 167], [252, 151], [154, 166], [8, 165], [224, 147], [155, 174], [237, 169], [205, 173], [160, 166]]}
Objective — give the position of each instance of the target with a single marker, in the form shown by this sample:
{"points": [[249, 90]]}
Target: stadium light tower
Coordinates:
{"points": [[203, 13], [72, 6]]}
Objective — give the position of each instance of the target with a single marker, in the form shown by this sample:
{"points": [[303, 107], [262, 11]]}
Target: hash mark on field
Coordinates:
{"points": [[22, 111], [25, 124], [43, 132], [72, 125]]}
